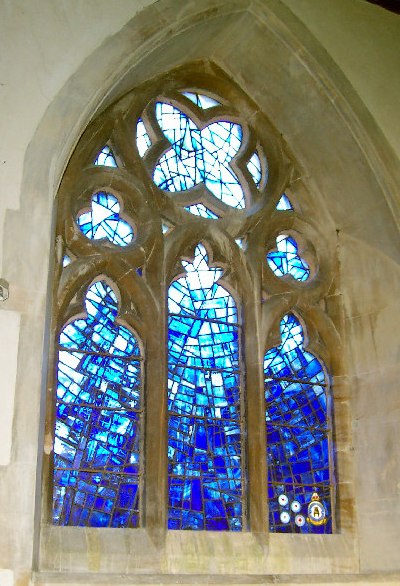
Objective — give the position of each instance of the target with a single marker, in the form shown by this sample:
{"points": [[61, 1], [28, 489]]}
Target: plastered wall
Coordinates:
{"points": [[44, 45]]}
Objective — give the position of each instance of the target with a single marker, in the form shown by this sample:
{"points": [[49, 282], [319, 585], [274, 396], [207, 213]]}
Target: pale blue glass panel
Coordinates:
{"points": [[97, 428], [142, 138], [201, 100], [106, 158], [104, 221], [199, 156], [239, 242], [204, 430], [254, 166], [286, 261], [297, 433], [66, 261], [198, 209], [284, 203]]}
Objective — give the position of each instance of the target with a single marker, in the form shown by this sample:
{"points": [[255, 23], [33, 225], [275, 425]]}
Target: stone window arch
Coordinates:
{"points": [[118, 223]]}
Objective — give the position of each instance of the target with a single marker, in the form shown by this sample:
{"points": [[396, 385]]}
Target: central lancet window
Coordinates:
{"points": [[205, 469], [184, 258]]}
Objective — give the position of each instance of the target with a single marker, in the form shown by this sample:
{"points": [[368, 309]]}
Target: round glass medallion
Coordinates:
{"points": [[285, 517], [283, 500]]}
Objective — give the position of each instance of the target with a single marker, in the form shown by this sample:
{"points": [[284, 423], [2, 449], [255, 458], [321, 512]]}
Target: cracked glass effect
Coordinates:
{"points": [[296, 392], [98, 411], [284, 203], [104, 221], [199, 156], [205, 469], [201, 100], [286, 260], [142, 138], [198, 209], [106, 158]]}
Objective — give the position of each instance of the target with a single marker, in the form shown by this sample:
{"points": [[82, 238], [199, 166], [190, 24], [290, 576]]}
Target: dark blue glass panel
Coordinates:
{"points": [[104, 221], [199, 156], [297, 435], [286, 260], [97, 428], [204, 428], [106, 158]]}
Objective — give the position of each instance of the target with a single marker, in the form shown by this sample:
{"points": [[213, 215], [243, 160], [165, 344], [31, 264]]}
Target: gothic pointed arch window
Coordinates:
{"points": [[185, 264]]}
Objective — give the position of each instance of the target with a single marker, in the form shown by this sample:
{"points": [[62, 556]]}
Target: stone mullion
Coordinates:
{"points": [[155, 384], [255, 414]]}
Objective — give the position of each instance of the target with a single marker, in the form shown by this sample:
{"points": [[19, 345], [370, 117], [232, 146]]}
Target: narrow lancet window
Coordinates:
{"points": [[204, 428], [300, 476], [97, 471]]}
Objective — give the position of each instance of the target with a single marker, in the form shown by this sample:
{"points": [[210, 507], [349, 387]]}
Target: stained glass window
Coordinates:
{"points": [[205, 468], [199, 156], [104, 221], [201, 210], [286, 260], [189, 154], [254, 166], [284, 203], [142, 138], [299, 477], [106, 158], [201, 100], [98, 410]]}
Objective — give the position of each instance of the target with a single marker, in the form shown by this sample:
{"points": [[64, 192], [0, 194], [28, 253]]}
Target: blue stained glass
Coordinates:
{"points": [[286, 261], [204, 429], [201, 100], [66, 260], [297, 432], [97, 428], [104, 221], [106, 158], [198, 209], [254, 166], [284, 203], [142, 138], [199, 156]]}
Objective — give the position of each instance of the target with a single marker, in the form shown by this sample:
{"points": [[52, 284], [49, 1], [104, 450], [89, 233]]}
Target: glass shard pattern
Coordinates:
{"points": [[254, 166], [286, 260], [201, 100], [142, 138], [204, 428], [284, 203], [296, 394], [104, 221], [98, 412], [106, 158], [199, 209], [199, 156]]}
